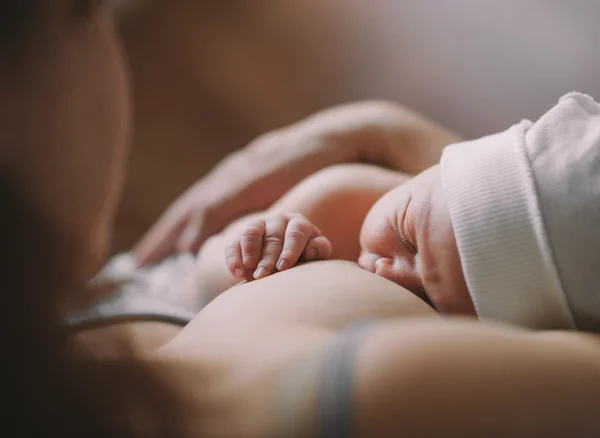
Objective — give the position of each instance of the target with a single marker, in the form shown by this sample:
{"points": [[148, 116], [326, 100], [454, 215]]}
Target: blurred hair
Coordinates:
{"points": [[18, 19], [21, 21], [49, 386]]}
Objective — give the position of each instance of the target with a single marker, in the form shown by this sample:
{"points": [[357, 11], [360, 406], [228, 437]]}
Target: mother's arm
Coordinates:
{"points": [[256, 176], [461, 378]]}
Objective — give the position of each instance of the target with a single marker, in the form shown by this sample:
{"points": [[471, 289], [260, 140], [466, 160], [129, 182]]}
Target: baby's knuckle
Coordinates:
{"points": [[302, 224], [232, 249], [297, 217], [280, 217], [296, 234], [231, 261], [273, 241], [252, 232]]}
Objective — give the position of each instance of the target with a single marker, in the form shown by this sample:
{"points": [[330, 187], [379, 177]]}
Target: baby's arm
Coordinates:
{"points": [[335, 200]]}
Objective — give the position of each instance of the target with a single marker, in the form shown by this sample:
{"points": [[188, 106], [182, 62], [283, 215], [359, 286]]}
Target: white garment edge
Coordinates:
{"points": [[500, 234]]}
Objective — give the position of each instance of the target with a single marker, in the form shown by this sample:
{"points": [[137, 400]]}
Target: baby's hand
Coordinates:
{"points": [[276, 242]]}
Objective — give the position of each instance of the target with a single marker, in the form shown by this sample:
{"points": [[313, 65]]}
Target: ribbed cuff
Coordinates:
{"points": [[506, 260]]}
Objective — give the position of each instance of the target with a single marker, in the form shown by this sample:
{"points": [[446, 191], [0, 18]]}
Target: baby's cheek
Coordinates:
{"points": [[364, 237], [375, 236]]}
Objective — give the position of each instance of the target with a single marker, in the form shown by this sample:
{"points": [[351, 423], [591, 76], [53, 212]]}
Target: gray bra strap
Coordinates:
{"points": [[131, 304], [327, 377], [335, 400], [157, 293]]}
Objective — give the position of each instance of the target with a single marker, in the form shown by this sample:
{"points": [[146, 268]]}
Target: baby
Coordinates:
{"points": [[505, 227]]}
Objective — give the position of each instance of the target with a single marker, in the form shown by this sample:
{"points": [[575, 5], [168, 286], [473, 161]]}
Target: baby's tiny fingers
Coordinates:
{"points": [[367, 261], [271, 246], [233, 259], [317, 248], [251, 240], [401, 271], [384, 267], [297, 235]]}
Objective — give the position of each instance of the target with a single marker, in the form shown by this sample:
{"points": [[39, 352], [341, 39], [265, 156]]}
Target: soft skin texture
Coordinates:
{"points": [[417, 375], [407, 237]]}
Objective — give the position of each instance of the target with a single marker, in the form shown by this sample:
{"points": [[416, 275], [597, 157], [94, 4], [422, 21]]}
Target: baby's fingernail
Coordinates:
{"points": [[238, 272], [260, 273], [312, 254], [283, 265]]}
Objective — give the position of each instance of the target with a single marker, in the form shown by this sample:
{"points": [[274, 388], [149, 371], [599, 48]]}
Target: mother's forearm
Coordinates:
{"points": [[378, 132], [402, 139], [253, 178]]}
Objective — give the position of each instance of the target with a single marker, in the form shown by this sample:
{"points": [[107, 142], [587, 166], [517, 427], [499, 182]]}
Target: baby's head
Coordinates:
{"points": [[407, 237], [520, 208], [64, 120]]}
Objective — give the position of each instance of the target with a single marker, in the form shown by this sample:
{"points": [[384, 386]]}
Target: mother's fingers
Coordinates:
{"points": [[161, 240]]}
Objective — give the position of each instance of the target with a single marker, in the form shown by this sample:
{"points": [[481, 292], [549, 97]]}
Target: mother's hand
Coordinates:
{"points": [[256, 176], [408, 238]]}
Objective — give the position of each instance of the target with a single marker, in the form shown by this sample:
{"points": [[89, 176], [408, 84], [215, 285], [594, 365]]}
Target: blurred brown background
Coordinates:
{"points": [[209, 75]]}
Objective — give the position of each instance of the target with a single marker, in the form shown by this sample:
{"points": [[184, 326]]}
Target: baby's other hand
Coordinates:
{"points": [[275, 243]]}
